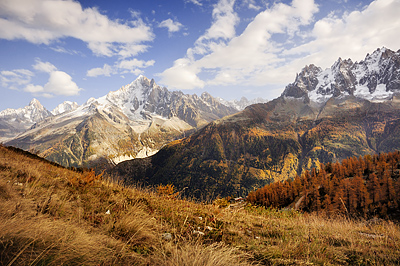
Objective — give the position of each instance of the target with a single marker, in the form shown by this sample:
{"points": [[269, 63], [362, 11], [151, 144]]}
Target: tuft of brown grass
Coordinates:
{"points": [[196, 254], [53, 216]]}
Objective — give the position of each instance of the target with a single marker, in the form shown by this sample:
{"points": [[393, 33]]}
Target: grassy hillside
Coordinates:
{"points": [[53, 216]]}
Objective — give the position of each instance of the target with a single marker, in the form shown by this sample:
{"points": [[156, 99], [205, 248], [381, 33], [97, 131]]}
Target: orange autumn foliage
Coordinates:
{"points": [[365, 186]]}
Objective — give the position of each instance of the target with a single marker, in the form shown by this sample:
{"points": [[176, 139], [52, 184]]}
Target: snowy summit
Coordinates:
{"points": [[376, 78]]}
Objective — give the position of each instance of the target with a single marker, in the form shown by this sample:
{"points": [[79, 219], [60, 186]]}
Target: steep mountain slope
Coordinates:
{"points": [[134, 121], [15, 121], [313, 121]]}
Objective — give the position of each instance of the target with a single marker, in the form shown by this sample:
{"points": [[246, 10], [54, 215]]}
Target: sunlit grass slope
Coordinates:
{"points": [[50, 215]]}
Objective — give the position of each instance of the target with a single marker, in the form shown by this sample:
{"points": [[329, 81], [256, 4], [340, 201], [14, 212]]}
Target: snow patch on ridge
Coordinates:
{"points": [[317, 97], [379, 95], [121, 158], [146, 152], [143, 153]]}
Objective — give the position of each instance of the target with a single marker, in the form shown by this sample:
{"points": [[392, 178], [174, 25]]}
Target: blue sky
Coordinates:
{"points": [[58, 50]]}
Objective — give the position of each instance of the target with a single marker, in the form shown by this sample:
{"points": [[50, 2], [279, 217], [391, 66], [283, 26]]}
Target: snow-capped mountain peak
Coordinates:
{"points": [[32, 113], [132, 97], [35, 102], [66, 106], [18, 120], [376, 78], [242, 103]]}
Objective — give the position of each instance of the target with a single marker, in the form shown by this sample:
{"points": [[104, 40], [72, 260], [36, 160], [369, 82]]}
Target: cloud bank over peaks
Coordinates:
{"points": [[183, 74], [232, 58]]}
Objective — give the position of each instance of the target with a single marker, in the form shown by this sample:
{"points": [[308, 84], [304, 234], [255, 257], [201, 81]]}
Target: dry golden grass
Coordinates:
{"points": [[190, 254], [54, 216]]}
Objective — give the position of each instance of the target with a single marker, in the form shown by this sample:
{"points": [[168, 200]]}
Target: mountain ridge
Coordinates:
{"points": [[278, 140], [133, 121], [375, 78]]}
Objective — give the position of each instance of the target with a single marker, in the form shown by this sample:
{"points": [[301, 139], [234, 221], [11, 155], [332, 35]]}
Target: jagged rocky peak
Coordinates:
{"points": [[139, 88], [342, 65], [343, 78], [305, 81], [380, 68], [206, 97], [36, 111], [376, 78], [35, 103], [133, 97]]}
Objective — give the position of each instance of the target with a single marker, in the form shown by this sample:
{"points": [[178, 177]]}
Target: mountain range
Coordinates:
{"points": [[132, 122], [16, 121], [204, 145], [349, 109]]}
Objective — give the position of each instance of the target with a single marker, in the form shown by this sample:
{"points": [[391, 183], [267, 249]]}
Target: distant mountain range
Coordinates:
{"points": [[134, 121], [350, 109], [16, 121]]}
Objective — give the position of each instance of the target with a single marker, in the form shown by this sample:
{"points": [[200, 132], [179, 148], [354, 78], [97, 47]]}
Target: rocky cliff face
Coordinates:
{"points": [[324, 116]]}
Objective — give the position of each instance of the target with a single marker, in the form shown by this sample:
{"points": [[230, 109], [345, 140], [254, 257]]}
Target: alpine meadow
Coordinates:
{"points": [[199, 132]]}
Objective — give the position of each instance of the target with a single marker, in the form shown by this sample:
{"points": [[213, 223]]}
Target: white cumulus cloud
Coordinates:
{"points": [[352, 35], [43, 22], [183, 74], [106, 70], [172, 26], [60, 83], [13, 79], [46, 67], [34, 88]]}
